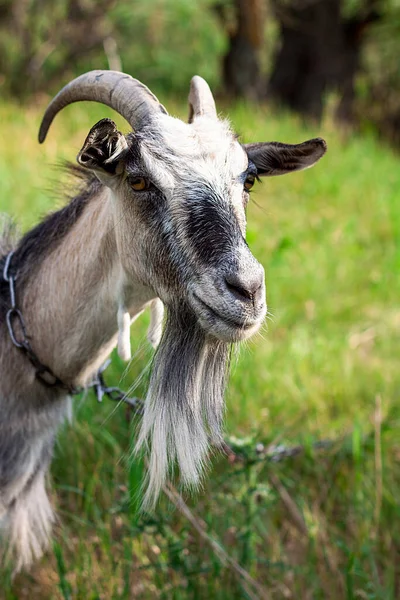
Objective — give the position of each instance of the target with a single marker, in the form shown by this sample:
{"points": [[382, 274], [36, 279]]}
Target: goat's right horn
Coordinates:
{"points": [[128, 96], [201, 100]]}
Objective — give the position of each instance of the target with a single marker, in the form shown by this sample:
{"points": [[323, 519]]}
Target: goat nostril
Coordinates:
{"points": [[239, 291], [242, 289]]}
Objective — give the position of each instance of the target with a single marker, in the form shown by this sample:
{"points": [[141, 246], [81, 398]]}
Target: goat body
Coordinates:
{"points": [[161, 216]]}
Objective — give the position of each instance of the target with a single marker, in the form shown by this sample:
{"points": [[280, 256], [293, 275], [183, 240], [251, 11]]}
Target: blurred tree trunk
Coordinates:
{"points": [[354, 34], [241, 64], [320, 51]]}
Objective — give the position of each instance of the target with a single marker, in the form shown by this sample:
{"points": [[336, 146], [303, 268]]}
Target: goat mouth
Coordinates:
{"points": [[233, 330]]}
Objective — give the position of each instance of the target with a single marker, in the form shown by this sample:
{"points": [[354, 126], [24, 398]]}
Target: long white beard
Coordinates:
{"points": [[185, 402]]}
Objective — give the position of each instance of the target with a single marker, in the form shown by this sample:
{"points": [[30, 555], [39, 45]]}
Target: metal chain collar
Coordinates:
{"points": [[15, 320]]}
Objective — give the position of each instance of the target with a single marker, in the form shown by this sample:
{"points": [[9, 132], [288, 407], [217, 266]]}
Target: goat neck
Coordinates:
{"points": [[70, 299]]}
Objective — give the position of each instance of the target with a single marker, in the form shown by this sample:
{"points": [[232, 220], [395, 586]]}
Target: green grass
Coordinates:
{"points": [[319, 525]]}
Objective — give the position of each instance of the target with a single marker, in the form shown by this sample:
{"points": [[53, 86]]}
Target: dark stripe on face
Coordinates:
{"points": [[159, 249], [212, 228]]}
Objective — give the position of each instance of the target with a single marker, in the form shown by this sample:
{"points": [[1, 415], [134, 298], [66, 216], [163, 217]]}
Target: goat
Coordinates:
{"points": [[162, 217]]}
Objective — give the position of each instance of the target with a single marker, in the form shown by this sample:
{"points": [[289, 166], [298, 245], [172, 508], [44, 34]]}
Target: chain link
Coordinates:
{"points": [[114, 393]]}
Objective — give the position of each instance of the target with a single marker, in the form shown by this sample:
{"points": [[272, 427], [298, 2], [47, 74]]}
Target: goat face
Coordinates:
{"points": [[180, 192]]}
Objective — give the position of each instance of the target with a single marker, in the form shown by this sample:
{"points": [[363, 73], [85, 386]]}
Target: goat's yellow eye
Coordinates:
{"points": [[139, 184], [248, 184]]}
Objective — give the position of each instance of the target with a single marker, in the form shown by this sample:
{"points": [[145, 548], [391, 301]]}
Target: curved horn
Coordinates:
{"points": [[201, 101], [130, 98]]}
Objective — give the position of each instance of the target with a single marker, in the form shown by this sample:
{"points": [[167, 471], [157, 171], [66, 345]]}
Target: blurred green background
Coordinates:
{"points": [[325, 522]]}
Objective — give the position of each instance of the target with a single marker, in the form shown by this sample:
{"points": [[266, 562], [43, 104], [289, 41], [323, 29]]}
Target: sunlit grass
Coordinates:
{"points": [[328, 357]]}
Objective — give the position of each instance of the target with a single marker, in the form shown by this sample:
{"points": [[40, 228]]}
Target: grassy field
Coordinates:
{"points": [[324, 524]]}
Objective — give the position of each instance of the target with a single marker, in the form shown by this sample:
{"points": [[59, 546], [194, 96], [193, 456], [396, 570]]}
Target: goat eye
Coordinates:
{"points": [[248, 184], [139, 184]]}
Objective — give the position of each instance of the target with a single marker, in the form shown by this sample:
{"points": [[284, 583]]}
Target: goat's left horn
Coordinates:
{"points": [[128, 96], [201, 100]]}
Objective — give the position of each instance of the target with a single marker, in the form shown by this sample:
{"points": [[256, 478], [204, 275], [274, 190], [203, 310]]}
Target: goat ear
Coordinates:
{"points": [[274, 158], [103, 150]]}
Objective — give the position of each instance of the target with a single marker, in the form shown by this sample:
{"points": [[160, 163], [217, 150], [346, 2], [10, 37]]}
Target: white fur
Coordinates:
{"points": [[30, 521], [156, 321]]}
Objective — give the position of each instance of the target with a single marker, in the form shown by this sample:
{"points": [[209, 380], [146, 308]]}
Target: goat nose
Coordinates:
{"points": [[245, 287]]}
